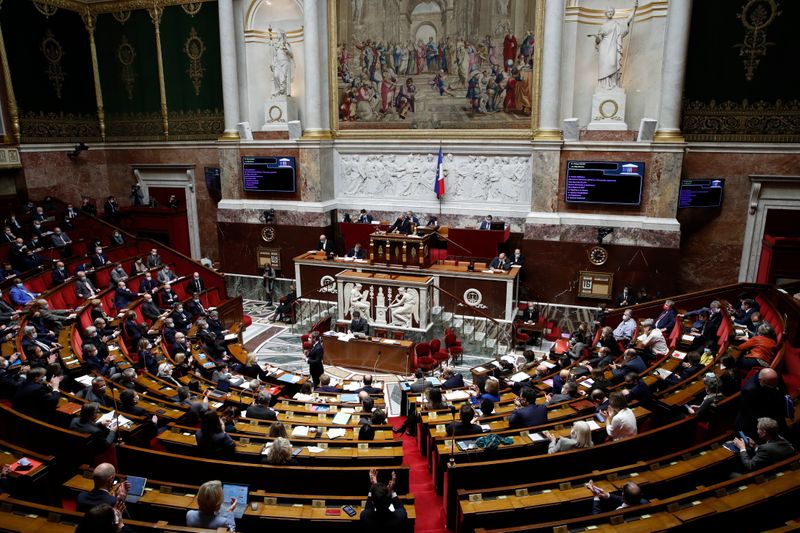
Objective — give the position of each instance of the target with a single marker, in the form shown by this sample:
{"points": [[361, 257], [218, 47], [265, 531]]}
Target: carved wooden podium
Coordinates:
{"points": [[398, 249]]}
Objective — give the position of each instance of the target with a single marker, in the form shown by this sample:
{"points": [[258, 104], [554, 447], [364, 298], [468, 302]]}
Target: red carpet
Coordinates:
{"points": [[428, 505]]}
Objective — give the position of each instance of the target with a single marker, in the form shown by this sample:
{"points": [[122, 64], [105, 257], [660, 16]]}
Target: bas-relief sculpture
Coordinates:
{"points": [[469, 178], [401, 311], [429, 65]]}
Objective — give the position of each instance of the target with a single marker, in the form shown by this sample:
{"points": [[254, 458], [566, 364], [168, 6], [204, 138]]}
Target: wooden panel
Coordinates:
{"points": [[370, 355]]}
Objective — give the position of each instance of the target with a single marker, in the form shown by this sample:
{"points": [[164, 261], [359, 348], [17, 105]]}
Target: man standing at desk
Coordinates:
{"points": [[359, 324], [486, 223], [325, 245], [500, 263], [314, 358], [356, 252], [403, 224]]}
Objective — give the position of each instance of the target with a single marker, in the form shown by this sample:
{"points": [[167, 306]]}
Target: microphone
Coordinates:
{"points": [[451, 463]]}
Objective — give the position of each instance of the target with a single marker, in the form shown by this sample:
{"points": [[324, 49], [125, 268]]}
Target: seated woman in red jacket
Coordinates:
{"points": [[759, 350]]}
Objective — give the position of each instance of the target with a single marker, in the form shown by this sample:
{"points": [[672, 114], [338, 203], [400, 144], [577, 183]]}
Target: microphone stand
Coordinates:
{"points": [[118, 438], [451, 463]]}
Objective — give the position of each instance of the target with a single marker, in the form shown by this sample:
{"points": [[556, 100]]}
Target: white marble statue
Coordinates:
{"points": [[357, 300], [608, 43], [282, 66], [405, 308]]}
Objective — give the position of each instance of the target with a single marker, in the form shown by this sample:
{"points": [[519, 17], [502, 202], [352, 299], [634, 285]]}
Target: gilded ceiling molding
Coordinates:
{"points": [[776, 122], [48, 10], [114, 6], [121, 16], [192, 9]]}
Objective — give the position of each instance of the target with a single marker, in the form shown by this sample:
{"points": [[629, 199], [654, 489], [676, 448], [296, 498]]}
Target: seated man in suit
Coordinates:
{"points": [[195, 306], [168, 297], [61, 242], [83, 287], [604, 502], [527, 412], [486, 223], [165, 275], [325, 245], [452, 379], [110, 207], [325, 384], [97, 393], [631, 362], [196, 285], [666, 320], [368, 388], [356, 252], [359, 324], [626, 297], [35, 397], [181, 345], [104, 490], [149, 308], [20, 295], [774, 448], [260, 410], [59, 274], [364, 217], [99, 258], [517, 259], [531, 313], [103, 435], [181, 319], [636, 389], [148, 284], [123, 296], [384, 510], [465, 426], [500, 262], [153, 259]]}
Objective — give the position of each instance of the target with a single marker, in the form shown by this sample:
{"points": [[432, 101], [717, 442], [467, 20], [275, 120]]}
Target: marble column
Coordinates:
{"points": [[230, 82], [673, 71], [314, 77], [549, 126]]}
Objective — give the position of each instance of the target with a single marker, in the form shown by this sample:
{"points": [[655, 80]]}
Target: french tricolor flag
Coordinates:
{"points": [[438, 186]]}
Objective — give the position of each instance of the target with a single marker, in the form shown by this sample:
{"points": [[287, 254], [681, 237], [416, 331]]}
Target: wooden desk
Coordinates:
{"points": [[368, 354], [480, 243]]}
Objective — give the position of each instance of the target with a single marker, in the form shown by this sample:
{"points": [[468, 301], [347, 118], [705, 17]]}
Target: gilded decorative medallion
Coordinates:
{"points": [[756, 17], [192, 8], [48, 10], [53, 53], [194, 49], [121, 16], [125, 55]]}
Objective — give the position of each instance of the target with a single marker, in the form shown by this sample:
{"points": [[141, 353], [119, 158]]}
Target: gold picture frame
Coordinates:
{"points": [[476, 132]]}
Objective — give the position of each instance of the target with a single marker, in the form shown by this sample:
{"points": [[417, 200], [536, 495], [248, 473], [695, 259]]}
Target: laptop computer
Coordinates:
{"points": [[137, 488], [240, 492]]}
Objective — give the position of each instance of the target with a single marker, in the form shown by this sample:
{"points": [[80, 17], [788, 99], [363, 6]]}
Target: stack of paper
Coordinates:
{"points": [[335, 433], [678, 355], [456, 395], [341, 418], [536, 437], [315, 449], [300, 431], [520, 376]]}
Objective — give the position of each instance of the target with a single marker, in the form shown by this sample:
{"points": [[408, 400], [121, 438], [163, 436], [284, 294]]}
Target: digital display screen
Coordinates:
{"points": [[701, 193], [268, 174], [604, 182]]}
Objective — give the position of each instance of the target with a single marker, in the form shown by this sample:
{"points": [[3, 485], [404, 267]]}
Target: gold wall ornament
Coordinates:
{"points": [[126, 54], [46, 9], [194, 49], [90, 22], [41, 127], [192, 8], [53, 53], [196, 125], [13, 111], [155, 15], [775, 122], [121, 16], [756, 17]]}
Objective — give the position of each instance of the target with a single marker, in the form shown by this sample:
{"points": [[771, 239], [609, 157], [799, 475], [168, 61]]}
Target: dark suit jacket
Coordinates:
{"points": [[147, 285], [497, 263], [102, 438], [604, 505], [766, 454], [85, 288], [36, 400], [261, 412], [168, 299], [517, 261], [453, 382], [59, 276], [150, 310], [327, 247], [757, 402], [132, 331], [123, 298], [631, 299], [458, 429], [195, 309], [359, 325], [358, 254], [636, 364], [371, 390], [315, 356], [218, 444], [530, 415], [384, 521], [195, 286], [87, 500], [364, 219], [402, 225], [666, 320], [99, 260]]}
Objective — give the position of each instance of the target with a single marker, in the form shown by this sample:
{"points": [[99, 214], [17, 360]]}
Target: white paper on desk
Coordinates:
{"points": [[86, 381], [520, 376], [456, 395], [687, 338], [341, 418], [300, 397], [349, 410], [593, 425], [536, 437], [335, 433], [663, 373], [490, 271], [678, 355], [548, 364], [244, 413], [231, 336], [586, 383], [315, 449], [109, 417], [352, 386], [485, 427], [548, 382], [334, 381], [389, 341], [479, 369], [300, 431], [216, 405]]}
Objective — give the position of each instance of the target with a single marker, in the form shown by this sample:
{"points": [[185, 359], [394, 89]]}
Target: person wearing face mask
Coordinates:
{"points": [[99, 258], [626, 297], [19, 295], [517, 259], [148, 284], [708, 329], [168, 297], [91, 336], [83, 287], [181, 319], [59, 274], [8, 235], [118, 274], [195, 307], [138, 267], [37, 229], [624, 331], [31, 342], [196, 285], [117, 239], [153, 259], [165, 275], [666, 320]]}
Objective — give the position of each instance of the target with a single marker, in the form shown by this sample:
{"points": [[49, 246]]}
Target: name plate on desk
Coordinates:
{"points": [[440, 428], [322, 445], [475, 498], [363, 446], [433, 415], [317, 504], [268, 500]]}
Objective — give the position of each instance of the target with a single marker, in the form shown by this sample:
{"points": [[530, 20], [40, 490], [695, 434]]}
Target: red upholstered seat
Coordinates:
{"points": [[422, 358], [453, 345], [554, 334], [247, 320], [306, 340], [436, 351], [520, 339]]}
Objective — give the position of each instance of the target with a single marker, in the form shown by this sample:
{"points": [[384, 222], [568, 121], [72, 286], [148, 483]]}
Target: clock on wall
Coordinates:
{"points": [[598, 255], [268, 233]]}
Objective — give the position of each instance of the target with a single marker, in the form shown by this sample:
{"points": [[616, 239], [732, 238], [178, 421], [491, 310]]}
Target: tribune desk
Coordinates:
{"points": [[492, 292], [370, 354]]}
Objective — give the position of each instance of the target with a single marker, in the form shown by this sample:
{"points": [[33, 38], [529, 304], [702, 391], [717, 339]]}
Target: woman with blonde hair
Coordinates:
{"points": [[280, 453], [209, 515], [579, 437]]}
